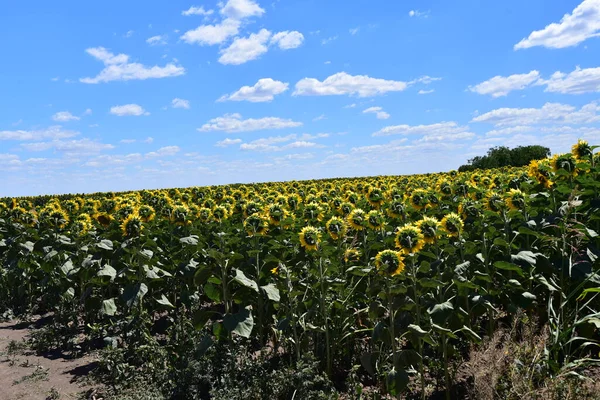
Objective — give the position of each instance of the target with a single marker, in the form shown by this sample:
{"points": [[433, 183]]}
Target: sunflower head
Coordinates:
{"points": [[409, 239], [429, 228], [251, 208], [357, 219], [276, 214], [221, 212], [56, 218], [389, 262], [581, 150], [375, 197], [469, 208], [375, 220], [419, 199], [181, 215], [346, 208], [309, 238], [104, 219], [336, 227], [351, 255], [81, 225], [204, 214], [515, 199], [565, 162], [397, 208], [312, 212], [132, 225], [452, 224], [256, 224], [146, 213], [445, 188], [494, 202]]}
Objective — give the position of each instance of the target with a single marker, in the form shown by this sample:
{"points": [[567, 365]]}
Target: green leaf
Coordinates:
{"points": [[27, 246], [202, 274], [109, 307], [443, 331], [155, 272], [212, 292], [369, 362], [272, 292], [147, 254], [242, 279], [191, 240], [69, 293], [67, 268], [240, 323], [201, 318], [586, 291], [165, 302], [109, 271], [397, 381], [506, 266], [441, 312], [105, 244], [470, 334], [133, 294], [525, 256], [416, 329]]}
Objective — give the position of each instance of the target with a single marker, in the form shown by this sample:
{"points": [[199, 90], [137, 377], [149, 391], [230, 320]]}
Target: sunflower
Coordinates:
{"points": [[309, 238], [452, 224], [581, 150], [409, 239], [104, 219], [312, 212], [540, 170], [146, 213], [220, 212], [493, 202], [389, 262], [564, 162], [419, 199], [293, 200], [276, 214], [132, 225], [469, 208], [352, 197], [357, 219], [351, 255], [81, 225], [256, 224], [346, 208], [56, 218], [445, 187], [336, 227], [204, 214], [375, 197], [397, 208], [181, 215], [515, 199], [429, 228], [375, 220], [251, 208]]}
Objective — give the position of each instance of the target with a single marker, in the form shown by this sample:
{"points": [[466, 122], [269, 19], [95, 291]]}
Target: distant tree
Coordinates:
{"points": [[502, 156]]}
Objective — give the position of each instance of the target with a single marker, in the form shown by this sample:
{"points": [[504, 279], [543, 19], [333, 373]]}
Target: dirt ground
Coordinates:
{"points": [[26, 376]]}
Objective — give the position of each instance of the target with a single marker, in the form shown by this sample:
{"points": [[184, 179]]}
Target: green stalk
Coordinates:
{"points": [[324, 313], [419, 341]]}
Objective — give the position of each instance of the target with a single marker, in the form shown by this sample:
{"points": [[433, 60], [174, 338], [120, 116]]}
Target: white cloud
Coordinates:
{"points": [[164, 152], [240, 9], [127, 141], [242, 50], [580, 130], [268, 144], [583, 23], [425, 79], [180, 103], [346, 84], [212, 34], [378, 111], [148, 140], [320, 118], [354, 31], [446, 137], [353, 105], [417, 13], [129, 33], [547, 114], [234, 123], [70, 147], [193, 10], [157, 40], [118, 68], [53, 132], [128, 109], [502, 85], [288, 40], [441, 128], [329, 40], [577, 82], [263, 91], [88, 111], [426, 91], [228, 142], [64, 116]]}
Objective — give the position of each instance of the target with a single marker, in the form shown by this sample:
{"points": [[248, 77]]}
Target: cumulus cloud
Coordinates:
{"points": [[582, 24], [228, 142], [502, 85], [128, 110], [70, 147], [53, 132], [234, 123], [288, 40], [438, 129], [263, 91], [164, 152], [157, 40], [346, 84], [244, 49], [180, 103], [210, 35], [578, 81], [240, 9], [378, 111], [193, 10], [549, 113], [118, 68], [64, 116]]}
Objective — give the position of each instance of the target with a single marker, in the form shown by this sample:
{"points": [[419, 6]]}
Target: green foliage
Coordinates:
{"points": [[502, 156]]}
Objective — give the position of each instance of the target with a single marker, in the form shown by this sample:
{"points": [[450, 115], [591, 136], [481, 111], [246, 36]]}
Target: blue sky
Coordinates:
{"points": [[115, 95]]}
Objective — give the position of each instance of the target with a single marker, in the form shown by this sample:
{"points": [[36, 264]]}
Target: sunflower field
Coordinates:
{"points": [[387, 281]]}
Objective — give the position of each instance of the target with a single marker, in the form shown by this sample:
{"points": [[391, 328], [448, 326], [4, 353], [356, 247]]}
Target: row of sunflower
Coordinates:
{"points": [[379, 273]]}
